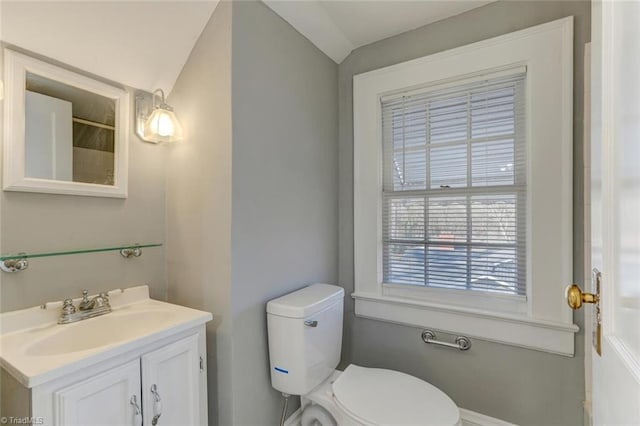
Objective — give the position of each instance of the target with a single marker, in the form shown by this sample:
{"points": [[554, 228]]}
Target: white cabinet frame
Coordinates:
{"points": [[16, 66], [45, 405]]}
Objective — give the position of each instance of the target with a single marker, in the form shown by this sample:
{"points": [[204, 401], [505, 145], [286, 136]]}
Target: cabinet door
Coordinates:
{"points": [[171, 384], [109, 398]]}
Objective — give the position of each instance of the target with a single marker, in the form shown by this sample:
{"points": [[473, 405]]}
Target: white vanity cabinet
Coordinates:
{"points": [[144, 360], [167, 383]]}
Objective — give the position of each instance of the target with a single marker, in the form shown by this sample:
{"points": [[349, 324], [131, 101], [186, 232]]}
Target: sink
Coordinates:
{"points": [[35, 349], [96, 332]]}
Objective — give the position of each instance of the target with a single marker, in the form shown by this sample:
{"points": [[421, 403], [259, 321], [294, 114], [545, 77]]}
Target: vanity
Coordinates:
{"points": [[143, 363]]}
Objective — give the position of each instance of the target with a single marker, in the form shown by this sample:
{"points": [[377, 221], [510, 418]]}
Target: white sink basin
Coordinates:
{"points": [[35, 349], [96, 332]]}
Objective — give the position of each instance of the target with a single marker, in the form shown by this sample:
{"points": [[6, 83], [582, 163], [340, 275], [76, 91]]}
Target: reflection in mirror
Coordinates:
{"points": [[69, 133]]}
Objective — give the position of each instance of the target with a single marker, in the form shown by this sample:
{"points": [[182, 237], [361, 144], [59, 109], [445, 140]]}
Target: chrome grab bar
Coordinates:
{"points": [[461, 342]]}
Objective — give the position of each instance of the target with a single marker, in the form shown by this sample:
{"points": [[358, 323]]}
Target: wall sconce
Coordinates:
{"points": [[156, 122]]}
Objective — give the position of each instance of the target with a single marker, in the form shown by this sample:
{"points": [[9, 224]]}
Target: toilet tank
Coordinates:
{"points": [[305, 337]]}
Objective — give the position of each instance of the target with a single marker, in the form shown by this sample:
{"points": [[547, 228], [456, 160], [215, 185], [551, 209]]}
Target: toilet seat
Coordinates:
{"points": [[375, 396]]}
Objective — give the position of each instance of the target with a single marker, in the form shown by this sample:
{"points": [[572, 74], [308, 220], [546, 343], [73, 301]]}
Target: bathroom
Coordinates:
{"points": [[262, 196]]}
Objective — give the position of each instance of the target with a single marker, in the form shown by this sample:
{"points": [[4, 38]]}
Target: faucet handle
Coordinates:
{"points": [[101, 300], [85, 304], [67, 307]]}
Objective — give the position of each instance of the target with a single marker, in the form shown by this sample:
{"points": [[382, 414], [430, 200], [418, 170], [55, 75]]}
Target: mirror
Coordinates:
{"points": [[69, 133], [65, 133]]}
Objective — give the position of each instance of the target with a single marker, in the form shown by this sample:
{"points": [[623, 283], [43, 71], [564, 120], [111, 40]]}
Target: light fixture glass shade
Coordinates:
{"points": [[162, 126]]}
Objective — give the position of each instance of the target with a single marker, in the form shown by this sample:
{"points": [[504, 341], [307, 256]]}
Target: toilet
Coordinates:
{"points": [[305, 340]]}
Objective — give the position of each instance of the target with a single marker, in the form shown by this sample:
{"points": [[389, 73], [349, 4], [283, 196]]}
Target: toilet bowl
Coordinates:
{"points": [[305, 338], [361, 396]]}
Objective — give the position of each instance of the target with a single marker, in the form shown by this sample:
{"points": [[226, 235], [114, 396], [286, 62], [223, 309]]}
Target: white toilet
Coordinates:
{"points": [[305, 340]]}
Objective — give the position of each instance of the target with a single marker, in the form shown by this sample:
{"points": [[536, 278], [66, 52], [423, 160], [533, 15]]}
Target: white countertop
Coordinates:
{"points": [[35, 349]]}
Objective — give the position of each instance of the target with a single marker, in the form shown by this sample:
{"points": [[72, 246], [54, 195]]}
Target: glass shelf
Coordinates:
{"points": [[70, 252]]}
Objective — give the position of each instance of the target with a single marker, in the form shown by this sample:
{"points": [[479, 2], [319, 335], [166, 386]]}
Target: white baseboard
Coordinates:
{"points": [[469, 418]]}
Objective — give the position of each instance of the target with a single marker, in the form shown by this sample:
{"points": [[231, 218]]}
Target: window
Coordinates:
{"points": [[463, 190], [454, 187]]}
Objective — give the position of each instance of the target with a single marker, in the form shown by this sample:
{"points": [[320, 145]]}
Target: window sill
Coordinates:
{"points": [[509, 329]]}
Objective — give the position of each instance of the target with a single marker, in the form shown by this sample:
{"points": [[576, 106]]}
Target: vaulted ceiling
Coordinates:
{"points": [[145, 44], [142, 44], [338, 26]]}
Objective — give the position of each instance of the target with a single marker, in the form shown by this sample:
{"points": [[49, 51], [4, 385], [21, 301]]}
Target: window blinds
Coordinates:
{"points": [[454, 187]]}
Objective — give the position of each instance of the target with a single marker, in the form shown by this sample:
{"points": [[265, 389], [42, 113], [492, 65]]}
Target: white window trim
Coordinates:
{"points": [[544, 321]]}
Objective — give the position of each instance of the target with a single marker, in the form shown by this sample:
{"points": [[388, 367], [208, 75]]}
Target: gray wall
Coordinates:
{"points": [[42, 222], [517, 385], [252, 193], [199, 200], [285, 176], [259, 104]]}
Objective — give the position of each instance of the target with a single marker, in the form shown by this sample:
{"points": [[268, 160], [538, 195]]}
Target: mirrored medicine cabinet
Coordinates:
{"points": [[64, 133]]}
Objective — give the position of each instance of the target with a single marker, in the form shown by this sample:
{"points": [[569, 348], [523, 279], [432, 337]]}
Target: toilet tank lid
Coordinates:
{"points": [[306, 301]]}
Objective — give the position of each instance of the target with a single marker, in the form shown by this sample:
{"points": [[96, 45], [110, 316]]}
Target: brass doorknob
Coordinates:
{"points": [[576, 297]]}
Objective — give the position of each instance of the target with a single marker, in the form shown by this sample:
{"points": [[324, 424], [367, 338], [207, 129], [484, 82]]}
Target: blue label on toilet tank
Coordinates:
{"points": [[282, 370]]}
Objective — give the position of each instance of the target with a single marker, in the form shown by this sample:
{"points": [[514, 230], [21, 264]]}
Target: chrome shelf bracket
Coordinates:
{"points": [[131, 252], [14, 265]]}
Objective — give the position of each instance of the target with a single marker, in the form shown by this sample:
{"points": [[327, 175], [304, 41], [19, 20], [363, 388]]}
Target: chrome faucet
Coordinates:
{"points": [[87, 308]]}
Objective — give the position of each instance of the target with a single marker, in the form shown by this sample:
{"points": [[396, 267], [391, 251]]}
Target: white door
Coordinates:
{"points": [[615, 201], [48, 137], [171, 384], [110, 398]]}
